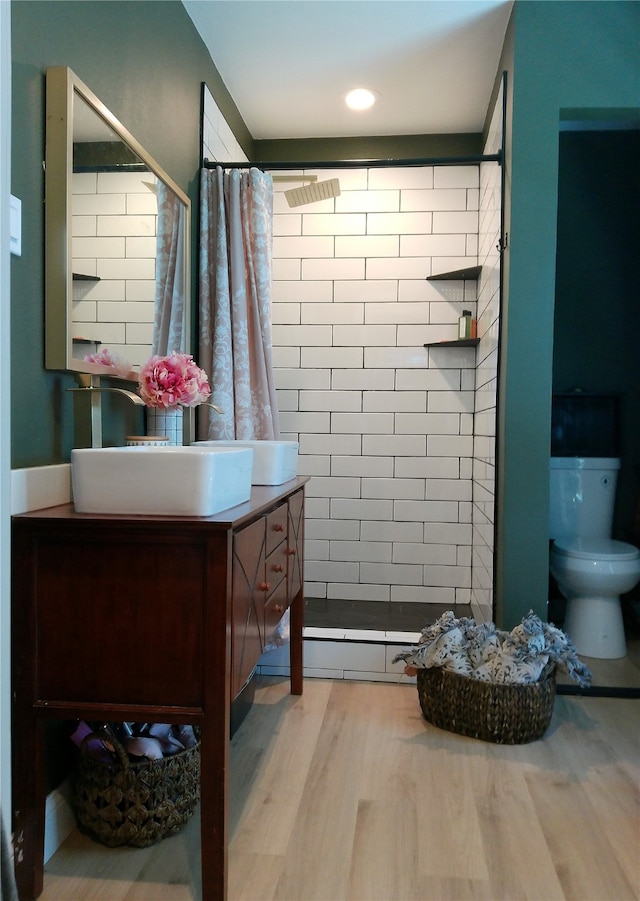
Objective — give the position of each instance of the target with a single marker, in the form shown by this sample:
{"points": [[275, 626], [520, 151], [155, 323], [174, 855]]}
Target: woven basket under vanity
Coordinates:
{"points": [[134, 803], [504, 714]]}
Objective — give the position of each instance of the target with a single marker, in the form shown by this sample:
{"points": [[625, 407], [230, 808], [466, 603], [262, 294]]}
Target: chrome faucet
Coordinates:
{"points": [[90, 385]]}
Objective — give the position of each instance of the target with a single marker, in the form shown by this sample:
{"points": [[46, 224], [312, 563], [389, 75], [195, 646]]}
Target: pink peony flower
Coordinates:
{"points": [[172, 381]]}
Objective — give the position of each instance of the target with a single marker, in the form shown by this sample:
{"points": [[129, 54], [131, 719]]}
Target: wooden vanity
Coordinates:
{"points": [[147, 619]]}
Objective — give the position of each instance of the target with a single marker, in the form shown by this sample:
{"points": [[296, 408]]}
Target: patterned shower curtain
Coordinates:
{"points": [[236, 215], [170, 281]]}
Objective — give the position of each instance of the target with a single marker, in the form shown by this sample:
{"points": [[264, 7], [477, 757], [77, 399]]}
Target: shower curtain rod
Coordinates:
{"points": [[362, 164]]}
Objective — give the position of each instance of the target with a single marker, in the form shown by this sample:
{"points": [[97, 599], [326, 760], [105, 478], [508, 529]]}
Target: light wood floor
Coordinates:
{"points": [[347, 793]]}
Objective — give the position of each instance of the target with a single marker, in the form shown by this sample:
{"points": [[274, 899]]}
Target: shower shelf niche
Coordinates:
{"points": [[470, 273], [457, 342]]}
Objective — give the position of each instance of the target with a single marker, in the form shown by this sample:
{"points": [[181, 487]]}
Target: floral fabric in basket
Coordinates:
{"points": [[482, 652]]}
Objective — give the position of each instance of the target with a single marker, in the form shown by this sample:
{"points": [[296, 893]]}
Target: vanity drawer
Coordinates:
{"points": [[276, 569], [276, 527]]}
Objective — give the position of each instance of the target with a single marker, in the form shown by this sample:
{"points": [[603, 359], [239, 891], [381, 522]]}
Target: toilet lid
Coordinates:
{"points": [[600, 548]]}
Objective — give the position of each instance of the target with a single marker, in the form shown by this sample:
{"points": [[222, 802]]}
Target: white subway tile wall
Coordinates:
{"points": [[385, 425], [218, 141], [114, 228]]}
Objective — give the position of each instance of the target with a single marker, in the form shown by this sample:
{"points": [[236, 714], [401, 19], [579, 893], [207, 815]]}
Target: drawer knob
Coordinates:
{"points": [[291, 551], [279, 527], [279, 608], [264, 586], [277, 567]]}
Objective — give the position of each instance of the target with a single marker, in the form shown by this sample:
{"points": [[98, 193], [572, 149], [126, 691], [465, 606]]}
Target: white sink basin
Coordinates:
{"points": [[171, 481], [274, 462]]}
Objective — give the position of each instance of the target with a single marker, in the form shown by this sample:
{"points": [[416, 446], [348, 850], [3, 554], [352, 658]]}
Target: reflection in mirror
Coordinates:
{"points": [[117, 232], [170, 262]]}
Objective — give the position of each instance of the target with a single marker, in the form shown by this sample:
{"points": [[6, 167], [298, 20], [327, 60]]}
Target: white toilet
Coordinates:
{"points": [[591, 569]]}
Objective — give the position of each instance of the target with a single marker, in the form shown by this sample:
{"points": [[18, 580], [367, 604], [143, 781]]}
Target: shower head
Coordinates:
{"points": [[319, 190]]}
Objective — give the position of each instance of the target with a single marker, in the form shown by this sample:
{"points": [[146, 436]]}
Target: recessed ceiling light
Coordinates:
{"points": [[360, 98]]}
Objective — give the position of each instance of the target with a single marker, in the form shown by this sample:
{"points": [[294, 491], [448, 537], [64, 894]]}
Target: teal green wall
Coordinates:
{"points": [[385, 147], [566, 55], [146, 62]]}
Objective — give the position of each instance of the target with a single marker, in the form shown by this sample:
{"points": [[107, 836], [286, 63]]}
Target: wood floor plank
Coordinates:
{"points": [[166, 871], [253, 877], [384, 863], [569, 822], [66, 887], [454, 888], [83, 869], [615, 724], [268, 816], [615, 799], [518, 859], [449, 827], [395, 723], [156, 891], [603, 755], [317, 861], [171, 869], [587, 793]]}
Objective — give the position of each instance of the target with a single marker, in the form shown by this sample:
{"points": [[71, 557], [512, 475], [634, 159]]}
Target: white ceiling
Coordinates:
{"points": [[288, 63]]}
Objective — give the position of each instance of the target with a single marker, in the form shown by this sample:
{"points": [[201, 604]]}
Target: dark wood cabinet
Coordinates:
{"points": [[145, 618]]}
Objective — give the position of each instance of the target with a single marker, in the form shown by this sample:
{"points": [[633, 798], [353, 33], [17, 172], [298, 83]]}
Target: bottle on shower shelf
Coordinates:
{"points": [[467, 325]]}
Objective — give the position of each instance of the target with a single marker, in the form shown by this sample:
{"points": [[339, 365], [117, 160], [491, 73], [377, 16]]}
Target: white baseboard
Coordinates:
{"points": [[59, 821], [349, 654]]}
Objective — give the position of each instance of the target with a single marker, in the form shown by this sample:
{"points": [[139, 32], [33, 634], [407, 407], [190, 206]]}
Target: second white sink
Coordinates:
{"points": [[274, 462], [171, 481]]}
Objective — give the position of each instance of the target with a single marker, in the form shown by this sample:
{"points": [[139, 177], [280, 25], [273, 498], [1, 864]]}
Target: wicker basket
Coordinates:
{"points": [[504, 714], [134, 803]]}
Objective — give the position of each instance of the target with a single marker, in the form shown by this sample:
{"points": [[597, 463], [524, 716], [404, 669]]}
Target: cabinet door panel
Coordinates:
{"points": [[248, 602], [111, 615]]}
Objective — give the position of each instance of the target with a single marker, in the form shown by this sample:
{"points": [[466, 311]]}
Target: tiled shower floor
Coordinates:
{"points": [[321, 613]]}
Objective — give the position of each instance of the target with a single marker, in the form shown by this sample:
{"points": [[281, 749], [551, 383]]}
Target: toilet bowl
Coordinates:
{"points": [[592, 573]]}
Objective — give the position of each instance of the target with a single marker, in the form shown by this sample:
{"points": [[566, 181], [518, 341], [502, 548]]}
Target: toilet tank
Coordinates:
{"points": [[582, 494]]}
